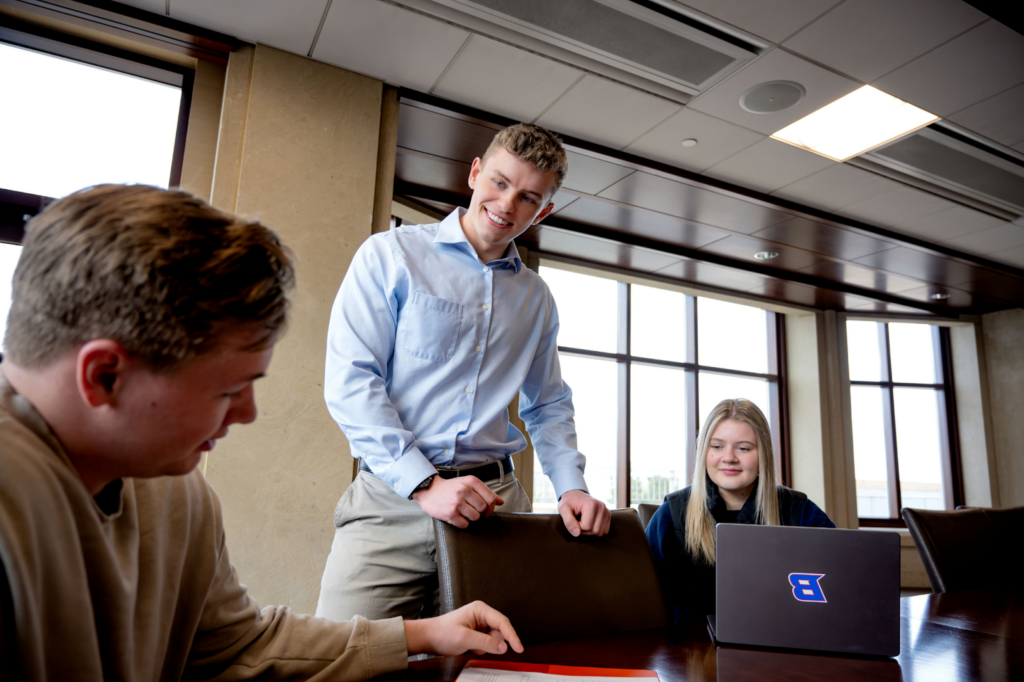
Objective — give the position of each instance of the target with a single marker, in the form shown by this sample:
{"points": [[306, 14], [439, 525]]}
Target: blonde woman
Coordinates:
{"points": [[733, 482]]}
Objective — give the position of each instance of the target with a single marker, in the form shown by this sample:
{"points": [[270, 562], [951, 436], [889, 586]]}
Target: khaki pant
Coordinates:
{"points": [[382, 561]]}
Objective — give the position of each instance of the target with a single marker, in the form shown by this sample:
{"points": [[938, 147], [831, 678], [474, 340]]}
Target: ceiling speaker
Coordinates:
{"points": [[772, 97]]}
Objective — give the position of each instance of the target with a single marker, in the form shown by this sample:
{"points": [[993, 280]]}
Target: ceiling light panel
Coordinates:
{"points": [[854, 124]]}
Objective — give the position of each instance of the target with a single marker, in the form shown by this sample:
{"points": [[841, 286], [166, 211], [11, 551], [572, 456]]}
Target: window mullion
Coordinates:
{"points": [[948, 432], [889, 414], [691, 387], [624, 480]]}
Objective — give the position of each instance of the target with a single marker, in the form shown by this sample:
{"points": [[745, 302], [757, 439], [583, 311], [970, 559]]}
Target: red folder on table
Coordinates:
{"points": [[500, 671]]}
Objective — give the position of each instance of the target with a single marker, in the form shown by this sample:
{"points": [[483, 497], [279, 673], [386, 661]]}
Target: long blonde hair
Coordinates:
{"points": [[700, 524]]}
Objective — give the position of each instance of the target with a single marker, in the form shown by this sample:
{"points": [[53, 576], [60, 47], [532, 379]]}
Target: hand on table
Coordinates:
{"points": [[457, 500], [475, 627], [584, 515]]}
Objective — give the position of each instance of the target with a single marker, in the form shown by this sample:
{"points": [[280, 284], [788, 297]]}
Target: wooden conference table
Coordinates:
{"points": [[952, 636]]}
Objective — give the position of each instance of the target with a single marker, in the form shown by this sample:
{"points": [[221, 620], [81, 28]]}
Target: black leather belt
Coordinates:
{"points": [[485, 472]]}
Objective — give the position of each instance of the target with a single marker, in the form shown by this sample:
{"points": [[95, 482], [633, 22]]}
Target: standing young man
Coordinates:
{"points": [[434, 331], [139, 321]]}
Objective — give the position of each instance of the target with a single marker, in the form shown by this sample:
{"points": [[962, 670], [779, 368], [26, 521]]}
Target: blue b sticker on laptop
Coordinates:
{"points": [[806, 587]]}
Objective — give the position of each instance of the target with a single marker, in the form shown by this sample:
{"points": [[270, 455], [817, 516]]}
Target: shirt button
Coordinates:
{"points": [[485, 306], [486, 269], [478, 349], [469, 389], [446, 452]]}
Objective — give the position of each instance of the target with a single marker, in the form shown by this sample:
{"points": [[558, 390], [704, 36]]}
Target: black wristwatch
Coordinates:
{"points": [[424, 484]]}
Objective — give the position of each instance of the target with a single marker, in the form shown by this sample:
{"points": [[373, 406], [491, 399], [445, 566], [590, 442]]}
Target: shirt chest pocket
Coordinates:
{"points": [[429, 327]]}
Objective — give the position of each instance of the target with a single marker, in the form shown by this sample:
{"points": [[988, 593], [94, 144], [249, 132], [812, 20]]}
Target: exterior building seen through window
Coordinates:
{"points": [[645, 365], [901, 405]]}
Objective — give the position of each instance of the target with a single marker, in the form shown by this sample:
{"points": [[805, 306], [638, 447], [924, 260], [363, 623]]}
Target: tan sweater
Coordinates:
{"points": [[146, 592]]}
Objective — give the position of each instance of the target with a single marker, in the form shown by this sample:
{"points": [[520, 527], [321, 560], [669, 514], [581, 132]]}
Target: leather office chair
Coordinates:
{"points": [[550, 584], [968, 549], [646, 512]]}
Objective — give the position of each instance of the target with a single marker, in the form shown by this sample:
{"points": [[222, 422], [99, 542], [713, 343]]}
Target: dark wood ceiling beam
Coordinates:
{"points": [[457, 199], [481, 117]]}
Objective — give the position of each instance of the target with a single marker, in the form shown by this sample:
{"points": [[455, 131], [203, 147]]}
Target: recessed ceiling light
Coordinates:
{"points": [[689, 143], [939, 297], [766, 255], [862, 120]]}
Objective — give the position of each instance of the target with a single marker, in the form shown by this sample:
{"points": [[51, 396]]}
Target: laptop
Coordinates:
{"points": [[820, 589]]}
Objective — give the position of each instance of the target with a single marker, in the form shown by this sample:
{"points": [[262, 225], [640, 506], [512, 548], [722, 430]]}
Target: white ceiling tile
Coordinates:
{"points": [[716, 141], [384, 41], [898, 206], [1013, 257], [590, 175], [823, 86], [835, 187], [990, 241], [768, 165], [481, 74], [978, 64], [606, 112], [948, 224], [561, 200], [290, 26], [867, 39], [155, 6], [772, 19], [998, 118]]}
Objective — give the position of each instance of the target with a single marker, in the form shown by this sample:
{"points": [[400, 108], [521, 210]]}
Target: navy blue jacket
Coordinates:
{"points": [[689, 585]]}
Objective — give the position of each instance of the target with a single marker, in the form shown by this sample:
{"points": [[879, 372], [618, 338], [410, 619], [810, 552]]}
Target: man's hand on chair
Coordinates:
{"points": [[457, 500], [583, 514]]}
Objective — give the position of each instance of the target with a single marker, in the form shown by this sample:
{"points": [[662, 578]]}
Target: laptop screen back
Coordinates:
{"points": [[808, 588]]}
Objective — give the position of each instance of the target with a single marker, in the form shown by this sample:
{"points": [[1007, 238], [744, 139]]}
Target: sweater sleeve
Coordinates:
{"points": [[236, 640], [812, 515], [665, 546]]}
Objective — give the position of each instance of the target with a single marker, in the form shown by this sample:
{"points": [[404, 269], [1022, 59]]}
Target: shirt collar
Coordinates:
{"points": [[451, 232], [18, 406]]}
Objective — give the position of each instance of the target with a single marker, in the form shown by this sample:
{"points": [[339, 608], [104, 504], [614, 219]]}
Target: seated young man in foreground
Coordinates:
{"points": [[140, 319]]}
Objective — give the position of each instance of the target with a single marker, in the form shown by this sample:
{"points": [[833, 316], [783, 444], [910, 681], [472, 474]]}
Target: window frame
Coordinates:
{"points": [[624, 359], [16, 208], [952, 475]]}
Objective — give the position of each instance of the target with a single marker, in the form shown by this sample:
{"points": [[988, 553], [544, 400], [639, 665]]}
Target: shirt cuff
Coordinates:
{"points": [[386, 645], [408, 472], [566, 479]]}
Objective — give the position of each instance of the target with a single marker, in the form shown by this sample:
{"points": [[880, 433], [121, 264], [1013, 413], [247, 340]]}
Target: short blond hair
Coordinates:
{"points": [[700, 524], [535, 145], [161, 272]]}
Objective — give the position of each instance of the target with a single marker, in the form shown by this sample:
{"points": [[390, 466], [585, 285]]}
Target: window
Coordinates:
{"points": [[79, 114], [902, 407], [646, 365]]}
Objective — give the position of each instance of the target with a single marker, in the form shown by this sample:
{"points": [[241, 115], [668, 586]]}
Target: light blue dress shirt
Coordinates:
{"points": [[427, 347]]}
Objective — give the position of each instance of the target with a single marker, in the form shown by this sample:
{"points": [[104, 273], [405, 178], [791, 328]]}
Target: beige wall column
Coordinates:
{"points": [[203, 129], [807, 398], [298, 150], [840, 480], [1003, 334], [974, 416], [387, 147]]}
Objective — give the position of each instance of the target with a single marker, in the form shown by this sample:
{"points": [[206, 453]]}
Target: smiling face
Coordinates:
{"points": [[732, 461], [509, 195], [170, 419]]}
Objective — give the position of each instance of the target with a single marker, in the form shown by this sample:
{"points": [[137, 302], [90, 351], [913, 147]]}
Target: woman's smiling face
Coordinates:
{"points": [[732, 461]]}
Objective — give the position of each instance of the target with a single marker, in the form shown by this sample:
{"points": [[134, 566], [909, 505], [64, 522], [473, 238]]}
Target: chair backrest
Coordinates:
{"points": [[550, 584], [967, 549], [646, 512]]}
